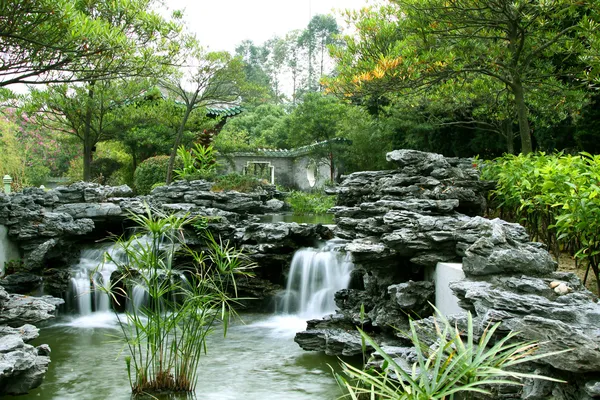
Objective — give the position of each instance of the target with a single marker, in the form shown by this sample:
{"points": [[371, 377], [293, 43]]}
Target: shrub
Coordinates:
{"points": [[455, 363], [556, 197], [310, 203], [151, 171], [198, 163], [240, 183]]}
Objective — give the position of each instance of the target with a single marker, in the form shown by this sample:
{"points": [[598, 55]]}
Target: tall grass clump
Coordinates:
{"points": [[166, 336], [450, 364], [310, 203]]}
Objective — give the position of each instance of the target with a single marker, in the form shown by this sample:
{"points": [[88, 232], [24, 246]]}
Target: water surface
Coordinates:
{"points": [[258, 360]]}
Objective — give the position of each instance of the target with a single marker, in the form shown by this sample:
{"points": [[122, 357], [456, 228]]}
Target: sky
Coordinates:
{"points": [[223, 24]]}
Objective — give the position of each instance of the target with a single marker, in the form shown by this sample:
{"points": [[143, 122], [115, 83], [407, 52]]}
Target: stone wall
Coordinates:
{"points": [[290, 171]]}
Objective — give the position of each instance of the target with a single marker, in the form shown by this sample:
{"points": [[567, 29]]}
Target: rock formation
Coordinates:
{"points": [[401, 223], [23, 366]]}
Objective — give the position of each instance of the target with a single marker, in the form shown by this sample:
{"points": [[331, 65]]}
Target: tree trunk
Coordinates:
{"points": [[510, 143], [331, 167], [87, 137], [523, 114], [178, 138]]}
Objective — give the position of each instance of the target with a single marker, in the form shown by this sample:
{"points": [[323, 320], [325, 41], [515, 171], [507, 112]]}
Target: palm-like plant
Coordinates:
{"points": [[455, 366], [167, 335]]}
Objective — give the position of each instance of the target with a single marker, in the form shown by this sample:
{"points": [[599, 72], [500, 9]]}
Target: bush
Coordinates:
{"points": [[310, 203], [240, 183], [198, 163], [556, 197], [151, 171]]}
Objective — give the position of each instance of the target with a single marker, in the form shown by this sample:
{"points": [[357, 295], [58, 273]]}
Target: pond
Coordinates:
{"points": [[325, 219], [258, 360]]}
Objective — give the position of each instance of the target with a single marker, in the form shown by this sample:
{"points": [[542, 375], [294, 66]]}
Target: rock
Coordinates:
{"points": [[27, 332], [274, 205], [35, 259], [22, 370], [419, 161], [413, 297], [486, 258], [93, 211], [21, 282], [330, 341], [592, 388], [19, 310], [562, 289]]}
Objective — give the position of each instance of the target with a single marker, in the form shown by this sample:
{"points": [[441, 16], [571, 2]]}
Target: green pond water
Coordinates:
{"points": [[324, 219], [257, 361]]}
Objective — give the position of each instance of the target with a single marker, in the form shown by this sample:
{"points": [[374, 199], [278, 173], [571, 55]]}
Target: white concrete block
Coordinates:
{"points": [[445, 300]]}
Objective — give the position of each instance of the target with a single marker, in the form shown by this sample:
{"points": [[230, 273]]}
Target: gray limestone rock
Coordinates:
{"points": [[93, 211], [35, 259], [19, 309], [486, 258]]}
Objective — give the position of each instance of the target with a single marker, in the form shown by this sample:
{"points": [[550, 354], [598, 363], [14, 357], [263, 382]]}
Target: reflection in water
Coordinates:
{"points": [[258, 360]]}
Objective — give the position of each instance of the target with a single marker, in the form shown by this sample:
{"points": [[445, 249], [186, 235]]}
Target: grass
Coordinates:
{"points": [[310, 203]]}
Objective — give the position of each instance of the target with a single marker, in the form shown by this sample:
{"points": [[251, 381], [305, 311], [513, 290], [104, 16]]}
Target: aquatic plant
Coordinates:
{"points": [[449, 364], [166, 336]]}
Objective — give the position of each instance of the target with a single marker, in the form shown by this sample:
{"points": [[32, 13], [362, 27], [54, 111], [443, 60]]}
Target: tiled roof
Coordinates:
{"points": [[283, 153]]}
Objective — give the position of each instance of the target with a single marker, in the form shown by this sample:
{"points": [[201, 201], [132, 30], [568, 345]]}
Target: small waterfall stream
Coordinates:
{"points": [[315, 276], [90, 276]]}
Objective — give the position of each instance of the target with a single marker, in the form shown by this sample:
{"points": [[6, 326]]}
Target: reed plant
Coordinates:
{"points": [[166, 335], [450, 364]]}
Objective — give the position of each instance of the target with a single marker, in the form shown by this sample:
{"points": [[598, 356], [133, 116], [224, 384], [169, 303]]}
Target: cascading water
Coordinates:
{"points": [[91, 278], [315, 276]]}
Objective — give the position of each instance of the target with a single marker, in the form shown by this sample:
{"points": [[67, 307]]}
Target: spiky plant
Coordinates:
{"points": [[455, 366]]}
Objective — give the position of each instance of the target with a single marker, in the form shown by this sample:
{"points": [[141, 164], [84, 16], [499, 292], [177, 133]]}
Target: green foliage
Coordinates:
{"points": [[556, 197], [152, 171], [198, 163], [310, 203], [71, 40], [36, 174], [11, 159], [509, 61], [166, 337], [456, 363], [237, 182]]}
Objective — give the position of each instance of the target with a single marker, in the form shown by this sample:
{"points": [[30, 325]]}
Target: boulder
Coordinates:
{"points": [[19, 309]]}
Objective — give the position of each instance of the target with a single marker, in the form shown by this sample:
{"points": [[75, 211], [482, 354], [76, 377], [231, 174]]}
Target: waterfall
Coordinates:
{"points": [[90, 276], [315, 276]]}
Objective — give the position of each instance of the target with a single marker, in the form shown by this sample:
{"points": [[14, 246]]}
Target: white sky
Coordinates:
{"points": [[223, 24]]}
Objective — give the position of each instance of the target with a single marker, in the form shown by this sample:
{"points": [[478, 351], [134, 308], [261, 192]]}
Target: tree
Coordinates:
{"points": [[258, 127], [209, 79], [316, 37], [423, 43], [84, 111], [317, 120], [57, 41]]}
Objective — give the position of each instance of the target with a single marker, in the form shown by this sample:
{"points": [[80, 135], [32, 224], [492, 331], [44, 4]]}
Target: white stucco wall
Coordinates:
{"points": [[8, 250]]}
